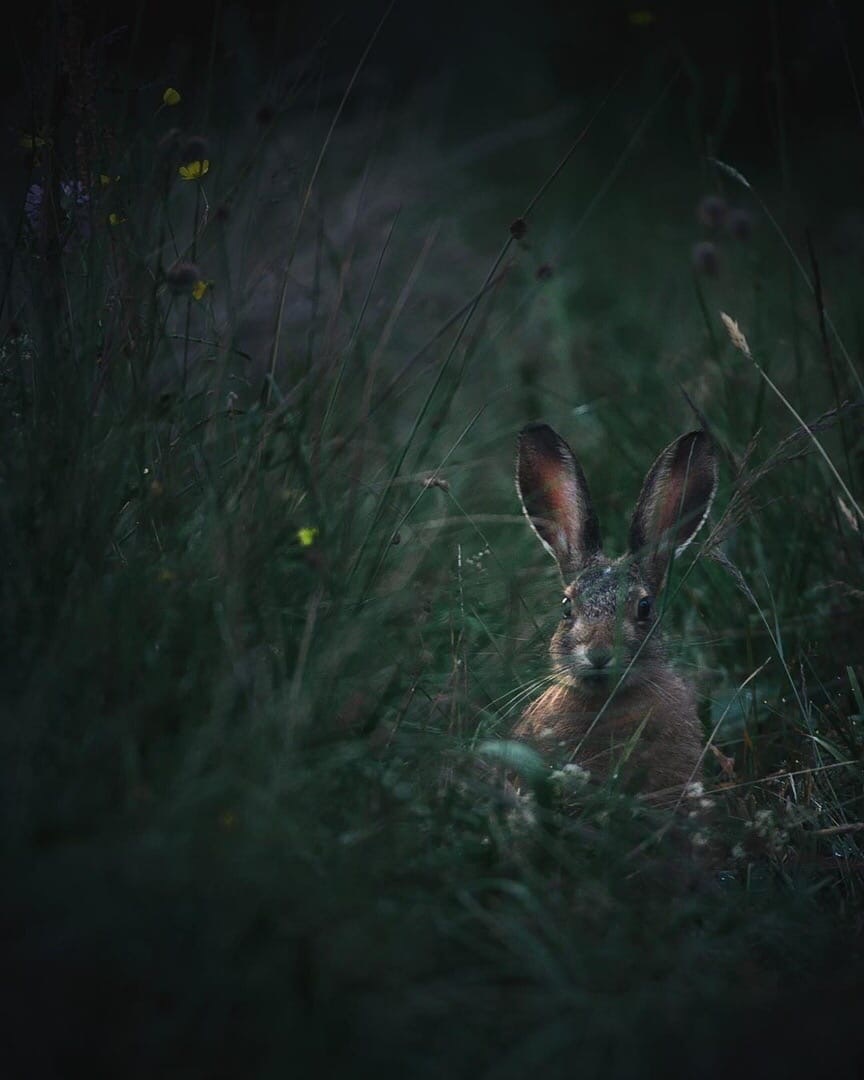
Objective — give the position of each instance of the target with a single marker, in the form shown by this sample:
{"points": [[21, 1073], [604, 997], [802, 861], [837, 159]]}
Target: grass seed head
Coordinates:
{"points": [[735, 335]]}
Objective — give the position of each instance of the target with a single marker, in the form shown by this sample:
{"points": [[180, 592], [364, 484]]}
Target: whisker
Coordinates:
{"points": [[507, 702], [528, 692]]}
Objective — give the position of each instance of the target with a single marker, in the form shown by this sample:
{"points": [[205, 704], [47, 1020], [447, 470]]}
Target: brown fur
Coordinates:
{"points": [[615, 706], [665, 755]]}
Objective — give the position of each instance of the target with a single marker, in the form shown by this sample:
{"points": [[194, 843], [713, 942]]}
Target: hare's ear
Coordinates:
{"points": [[674, 503], [555, 498]]}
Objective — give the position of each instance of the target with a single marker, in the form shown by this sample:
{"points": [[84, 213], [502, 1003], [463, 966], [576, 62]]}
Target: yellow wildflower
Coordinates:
{"points": [[641, 18], [307, 535], [171, 96], [199, 289], [34, 142], [115, 219], [194, 170]]}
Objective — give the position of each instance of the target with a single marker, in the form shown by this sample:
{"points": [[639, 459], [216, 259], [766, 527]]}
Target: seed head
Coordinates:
{"points": [[182, 276], [711, 211], [736, 335], [739, 224], [704, 258]]}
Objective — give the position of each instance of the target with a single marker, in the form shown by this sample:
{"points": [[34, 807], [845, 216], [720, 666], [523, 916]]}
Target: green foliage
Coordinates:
{"points": [[270, 610]]}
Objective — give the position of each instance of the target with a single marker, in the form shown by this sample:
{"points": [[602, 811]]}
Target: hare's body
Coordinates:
{"points": [[659, 758], [615, 706]]}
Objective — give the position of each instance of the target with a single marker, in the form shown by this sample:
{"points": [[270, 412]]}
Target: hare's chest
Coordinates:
{"points": [[598, 738]]}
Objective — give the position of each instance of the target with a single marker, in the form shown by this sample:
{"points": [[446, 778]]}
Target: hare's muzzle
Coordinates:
{"points": [[598, 658]]}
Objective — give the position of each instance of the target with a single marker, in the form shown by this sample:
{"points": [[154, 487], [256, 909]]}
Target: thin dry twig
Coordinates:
{"points": [[738, 339], [836, 830]]}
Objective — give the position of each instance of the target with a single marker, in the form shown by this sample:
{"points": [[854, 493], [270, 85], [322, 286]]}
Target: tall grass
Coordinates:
{"points": [[270, 610]]}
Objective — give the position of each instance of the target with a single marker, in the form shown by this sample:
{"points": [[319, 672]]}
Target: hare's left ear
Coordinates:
{"points": [[674, 503]]}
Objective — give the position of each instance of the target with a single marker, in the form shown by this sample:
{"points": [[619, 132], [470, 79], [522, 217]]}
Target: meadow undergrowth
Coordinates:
{"points": [[270, 610]]}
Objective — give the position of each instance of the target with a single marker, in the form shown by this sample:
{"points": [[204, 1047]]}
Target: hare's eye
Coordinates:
{"points": [[643, 608], [566, 608]]}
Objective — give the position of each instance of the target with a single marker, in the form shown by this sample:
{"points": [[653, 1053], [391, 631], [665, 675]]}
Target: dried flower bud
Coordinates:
{"points": [[182, 276], [518, 228], [739, 224], [704, 258], [712, 211]]}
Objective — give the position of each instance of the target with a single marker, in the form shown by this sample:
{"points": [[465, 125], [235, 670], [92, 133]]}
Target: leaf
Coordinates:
{"points": [[518, 756]]}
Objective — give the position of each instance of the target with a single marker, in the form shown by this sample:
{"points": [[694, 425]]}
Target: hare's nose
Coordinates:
{"points": [[599, 658]]}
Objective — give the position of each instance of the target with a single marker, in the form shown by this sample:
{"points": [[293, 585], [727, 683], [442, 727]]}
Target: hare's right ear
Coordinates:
{"points": [[555, 498]]}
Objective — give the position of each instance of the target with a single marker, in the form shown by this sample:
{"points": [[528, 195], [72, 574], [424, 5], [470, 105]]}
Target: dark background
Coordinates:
{"points": [[757, 59]]}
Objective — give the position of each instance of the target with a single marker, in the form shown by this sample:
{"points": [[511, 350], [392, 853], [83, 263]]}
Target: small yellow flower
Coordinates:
{"points": [[105, 180], [166, 576], [194, 170], [199, 289], [115, 219], [171, 97], [641, 18], [34, 142], [307, 535]]}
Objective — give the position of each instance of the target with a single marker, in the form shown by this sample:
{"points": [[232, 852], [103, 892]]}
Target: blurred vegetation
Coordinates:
{"points": [[270, 609]]}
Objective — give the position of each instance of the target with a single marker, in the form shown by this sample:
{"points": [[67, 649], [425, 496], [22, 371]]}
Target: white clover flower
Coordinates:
{"points": [[571, 777]]}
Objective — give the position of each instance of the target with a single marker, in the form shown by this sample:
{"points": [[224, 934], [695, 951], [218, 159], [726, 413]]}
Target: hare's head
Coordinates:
{"points": [[609, 609]]}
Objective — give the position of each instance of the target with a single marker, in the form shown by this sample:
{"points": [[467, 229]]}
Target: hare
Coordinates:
{"points": [[614, 703]]}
